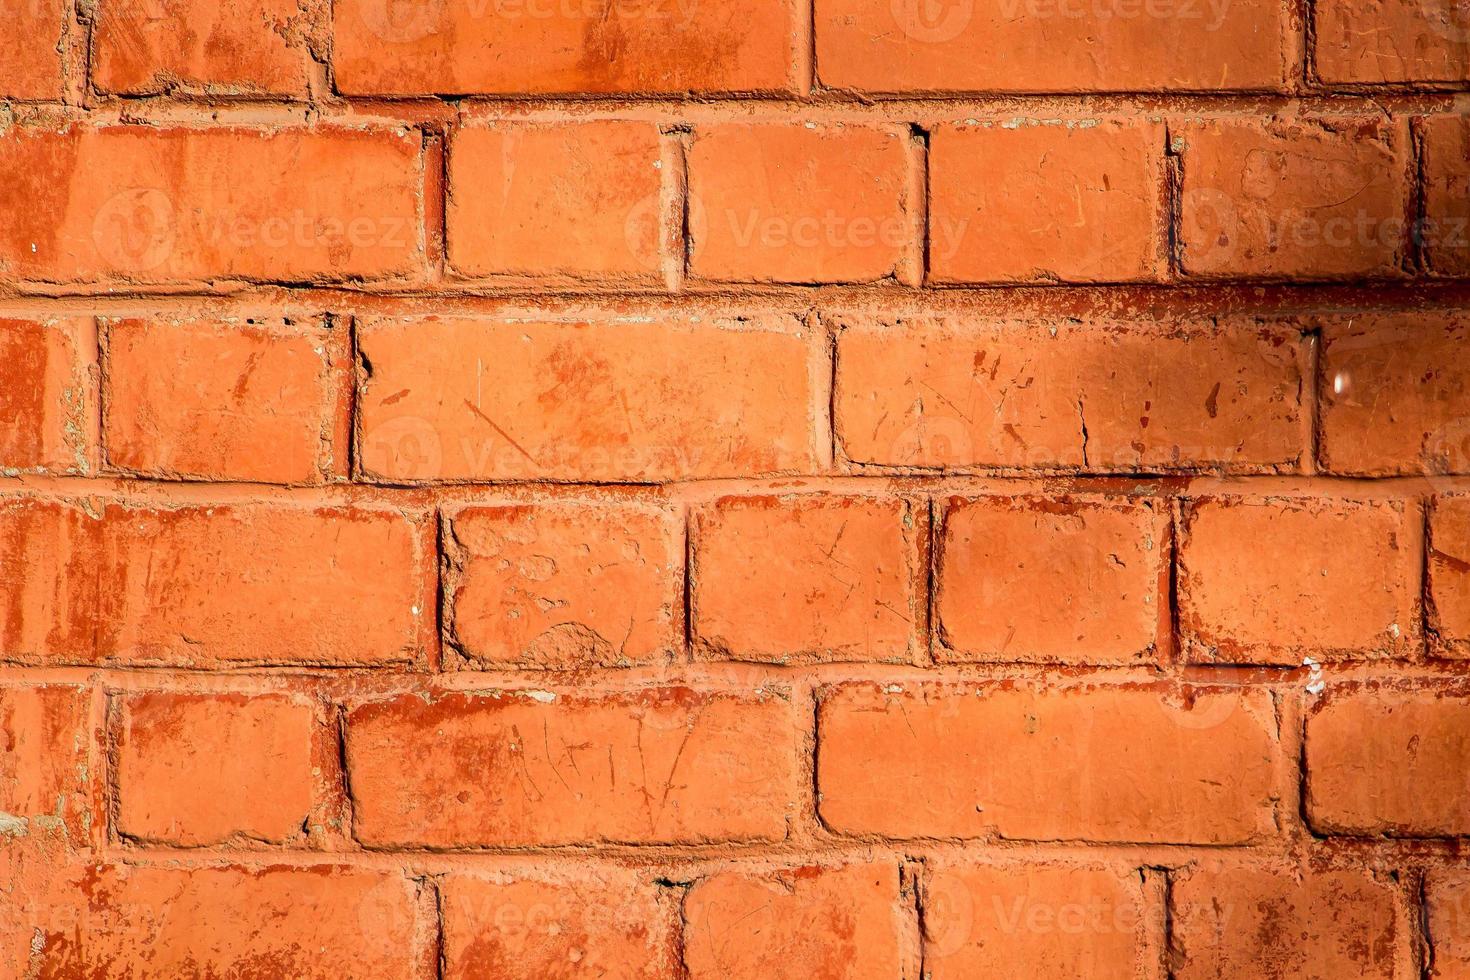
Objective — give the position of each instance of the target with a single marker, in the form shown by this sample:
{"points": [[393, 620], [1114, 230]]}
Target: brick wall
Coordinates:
{"points": [[734, 488]]}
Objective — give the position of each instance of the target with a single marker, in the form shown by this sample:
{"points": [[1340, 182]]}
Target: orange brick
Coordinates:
{"points": [[541, 47], [957, 392], [192, 204], [1122, 763], [1396, 395], [1054, 580], [1248, 923], [308, 923], [1384, 762], [30, 64], [1279, 580], [45, 767], [149, 47], [1293, 199], [801, 922], [565, 199], [1373, 42], [46, 391], [458, 399], [597, 924], [200, 769], [99, 581], [260, 400], [1447, 896], [823, 578], [665, 765], [566, 585], [908, 46], [789, 203], [1025, 201], [1035, 921], [1449, 574], [1444, 232]]}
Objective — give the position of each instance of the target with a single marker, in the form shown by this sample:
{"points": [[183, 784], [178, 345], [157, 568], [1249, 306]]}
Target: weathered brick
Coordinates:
{"points": [[1396, 395], [813, 577], [1274, 924], [1293, 199], [537, 47], [30, 64], [1449, 574], [1048, 579], [47, 738], [1042, 46], [149, 47], [1035, 920], [458, 399], [1372, 42], [260, 400], [790, 203], [1126, 763], [1447, 898], [1275, 580], [800, 922], [1383, 762], [192, 204], [46, 392], [537, 199], [99, 581], [564, 586], [1027, 201], [200, 769], [956, 392], [666, 765], [1444, 232], [603, 924]]}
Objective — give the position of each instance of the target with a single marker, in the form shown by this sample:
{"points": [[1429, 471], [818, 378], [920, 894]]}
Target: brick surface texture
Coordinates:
{"points": [[734, 489]]}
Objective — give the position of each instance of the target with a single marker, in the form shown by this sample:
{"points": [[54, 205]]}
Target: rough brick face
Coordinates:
{"points": [[778, 579], [1447, 897], [1041, 579], [31, 66], [1449, 573], [45, 394], [1369, 42], [1444, 233], [45, 768], [1069, 200], [1118, 764]]}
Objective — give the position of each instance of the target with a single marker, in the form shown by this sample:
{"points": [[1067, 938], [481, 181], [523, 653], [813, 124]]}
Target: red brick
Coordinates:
{"points": [[251, 47], [803, 922], [602, 924], [202, 769], [46, 392], [1051, 580], [957, 392], [565, 586], [1449, 574], [1039, 46], [1389, 763], [666, 765], [1270, 924], [1445, 162], [788, 203], [100, 581], [192, 204], [1027, 201], [30, 64], [1447, 895], [1293, 199], [319, 923], [1278, 580], [534, 47], [1396, 395], [1035, 921], [459, 399], [260, 400], [1372, 42], [46, 761], [1125, 763], [823, 578], [538, 199]]}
